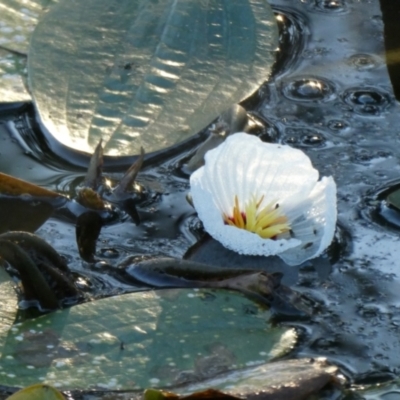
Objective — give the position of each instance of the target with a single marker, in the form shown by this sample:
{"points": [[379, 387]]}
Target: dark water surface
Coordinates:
{"points": [[331, 97]]}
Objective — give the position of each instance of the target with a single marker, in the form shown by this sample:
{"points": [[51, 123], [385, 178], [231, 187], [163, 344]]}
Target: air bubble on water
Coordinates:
{"points": [[304, 137], [309, 89], [331, 7], [108, 252], [368, 101], [363, 61], [337, 125]]}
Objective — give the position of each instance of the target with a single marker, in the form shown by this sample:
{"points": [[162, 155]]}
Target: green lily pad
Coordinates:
{"points": [[145, 73], [18, 18], [9, 304], [12, 77], [155, 338]]}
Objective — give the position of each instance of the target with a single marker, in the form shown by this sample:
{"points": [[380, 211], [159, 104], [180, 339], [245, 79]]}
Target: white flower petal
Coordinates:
{"points": [[245, 167], [315, 223]]}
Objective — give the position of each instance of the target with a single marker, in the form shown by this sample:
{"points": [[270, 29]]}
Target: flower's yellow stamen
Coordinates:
{"points": [[267, 222]]}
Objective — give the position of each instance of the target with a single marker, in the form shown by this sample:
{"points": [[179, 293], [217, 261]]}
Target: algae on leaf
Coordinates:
{"points": [[155, 338], [145, 73]]}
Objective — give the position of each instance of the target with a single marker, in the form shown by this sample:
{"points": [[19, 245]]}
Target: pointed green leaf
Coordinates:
{"points": [[133, 341], [146, 73]]}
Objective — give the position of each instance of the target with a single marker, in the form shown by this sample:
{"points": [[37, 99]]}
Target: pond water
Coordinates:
{"points": [[331, 96]]}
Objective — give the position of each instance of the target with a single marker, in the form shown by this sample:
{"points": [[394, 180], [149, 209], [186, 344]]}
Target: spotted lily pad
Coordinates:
{"points": [[9, 304], [145, 73], [155, 338]]}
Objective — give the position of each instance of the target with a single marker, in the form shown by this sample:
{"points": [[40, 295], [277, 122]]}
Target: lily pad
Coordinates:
{"points": [[9, 304], [155, 338], [12, 77], [18, 18], [145, 73]]}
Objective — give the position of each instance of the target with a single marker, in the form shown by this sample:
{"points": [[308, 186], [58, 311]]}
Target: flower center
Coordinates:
{"points": [[267, 222]]}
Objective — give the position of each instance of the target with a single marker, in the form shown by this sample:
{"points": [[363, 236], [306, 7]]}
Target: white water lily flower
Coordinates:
{"points": [[264, 199]]}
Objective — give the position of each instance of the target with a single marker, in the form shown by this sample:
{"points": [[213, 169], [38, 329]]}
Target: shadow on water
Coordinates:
{"points": [[331, 96]]}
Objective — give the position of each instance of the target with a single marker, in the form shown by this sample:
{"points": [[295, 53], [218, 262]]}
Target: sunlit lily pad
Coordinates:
{"points": [[145, 73], [18, 18], [143, 339], [12, 76]]}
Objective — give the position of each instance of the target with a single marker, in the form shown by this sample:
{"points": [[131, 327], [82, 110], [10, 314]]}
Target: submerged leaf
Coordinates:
{"points": [[146, 74], [44, 274], [156, 338]]}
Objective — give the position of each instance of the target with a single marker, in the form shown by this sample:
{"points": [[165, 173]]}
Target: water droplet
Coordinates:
{"points": [[304, 137], [337, 125], [367, 101], [309, 90], [333, 6], [108, 252], [363, 61], [327, 6]]}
